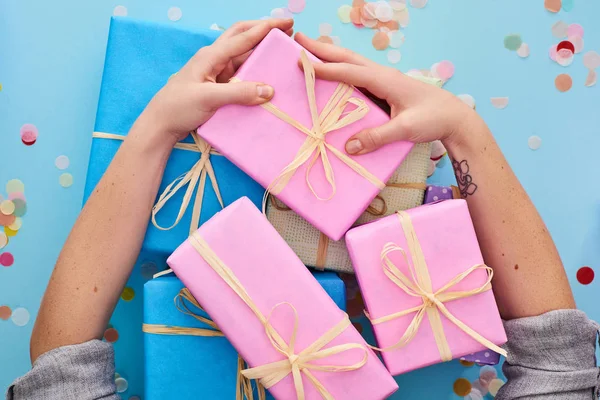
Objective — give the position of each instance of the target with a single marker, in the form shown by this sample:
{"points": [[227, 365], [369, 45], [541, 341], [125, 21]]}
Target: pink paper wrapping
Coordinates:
{"points": [[262, 145], [271, 273], [449, 244]]}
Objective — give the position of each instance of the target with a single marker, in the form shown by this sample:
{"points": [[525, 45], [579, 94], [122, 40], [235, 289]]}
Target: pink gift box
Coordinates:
{"points": [[263, 145], [271, 274], [450, 247]]}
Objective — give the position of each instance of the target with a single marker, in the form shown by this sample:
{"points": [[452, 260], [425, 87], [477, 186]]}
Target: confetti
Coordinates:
{"points": [[394, 56], [16, 225], [7, 207], [20, 207], [474, 395], [418, 3], [62, 162], [513, 41], [278, 13], [325, 29], [325, 39], [128, 294], [577, 43], [7, 259], [487, 373], [480, 386], [563, 82], [355, 16], [14, 186], [381, 41], [7, 220], [591, 78], [494, 386], [591, 60], [336, 40], [467, 99], [121, 384], [567, 5], [523, 50], [111, 335], [396, 38], [213, 27], [120, 11], [564, 57], [20, 316], [559, 29], [65, 180], [3, 240], [534, 142], [445, 70], [466, 363], [462, 387], [552, 52], [575, 30], [344, 13], [5, 312], [585, 275], [553, 5], [499, 102], [296, 6], [384, 12], [565, 44], [398, 5], [174, 14], [29, 134], [148, 269], [9, 232]]}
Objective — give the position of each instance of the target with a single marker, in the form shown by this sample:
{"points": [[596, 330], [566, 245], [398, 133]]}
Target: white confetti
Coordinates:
{"points": [[591, 60], [577, 42], [523, 50], [591, 78], [62, 162], [394, 56], [384, 12], [534, 142], [336, 40], [403, 17], [418, 3], [20, 316], [174, 13], [277, 13], [564, 57], [433, 70], [559, 29], [474, 395], [325, 29], [120, 11], [122, 385], [398, 5], [467, 99], [396, 39], [499, 102]]}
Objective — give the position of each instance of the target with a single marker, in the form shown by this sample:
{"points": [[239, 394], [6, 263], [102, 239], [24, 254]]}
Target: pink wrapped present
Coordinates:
{"points": [[425, 286], [273, 311], [300, 161]]}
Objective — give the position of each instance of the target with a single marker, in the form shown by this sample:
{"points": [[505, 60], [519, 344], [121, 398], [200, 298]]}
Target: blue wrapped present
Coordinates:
{"points": [[184, 366], [140, 58]]}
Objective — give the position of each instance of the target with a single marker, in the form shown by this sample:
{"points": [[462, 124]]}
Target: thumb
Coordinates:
{"points": [[371, 139], [244, 93]]}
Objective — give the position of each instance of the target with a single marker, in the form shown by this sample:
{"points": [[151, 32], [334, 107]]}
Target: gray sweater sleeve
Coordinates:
{"points": [[551, 356], [79, 372]]}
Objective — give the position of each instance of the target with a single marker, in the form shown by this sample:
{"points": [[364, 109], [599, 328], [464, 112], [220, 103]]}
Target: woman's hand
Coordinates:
{"points": [[420, 112], [192, 96]]}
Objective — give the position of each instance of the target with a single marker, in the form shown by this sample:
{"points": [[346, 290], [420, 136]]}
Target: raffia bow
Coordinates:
{"points": [[244, 388], [296, 364], [331, 118], [419, 285]]}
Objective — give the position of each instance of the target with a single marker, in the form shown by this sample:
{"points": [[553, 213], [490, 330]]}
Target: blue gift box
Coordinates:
{"points": [[195, 367], [140, 58]]}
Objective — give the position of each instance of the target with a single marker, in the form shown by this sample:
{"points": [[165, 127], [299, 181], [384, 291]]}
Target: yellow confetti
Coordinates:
{"points": [[16, 225], [495, 385], [65, 180], [15, 186], [344, 13], [128, 294], [9, 232]]}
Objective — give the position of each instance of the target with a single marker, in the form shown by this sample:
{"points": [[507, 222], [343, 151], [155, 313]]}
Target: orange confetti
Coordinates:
{"points": [[325, 39], [391, 25], [6, 220], [563, 82], [358, 3], [381, 41], [355, 16], [466, 363], [111, 335], [553, 5], [462, 387], [5, 312]]}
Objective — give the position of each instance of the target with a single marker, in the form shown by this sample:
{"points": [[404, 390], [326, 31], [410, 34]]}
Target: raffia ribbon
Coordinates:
{"points": [[195, 177], [419, 285], [297, 364], [331, 118], [243, 385]]}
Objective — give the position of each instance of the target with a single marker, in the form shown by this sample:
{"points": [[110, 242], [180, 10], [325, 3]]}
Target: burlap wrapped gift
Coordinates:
{"points": [[404, 190]]}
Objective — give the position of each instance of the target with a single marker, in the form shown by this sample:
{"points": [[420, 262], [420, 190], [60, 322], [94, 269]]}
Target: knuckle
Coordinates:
{"points": [[347, 54], [373, 138], [405, 128]]}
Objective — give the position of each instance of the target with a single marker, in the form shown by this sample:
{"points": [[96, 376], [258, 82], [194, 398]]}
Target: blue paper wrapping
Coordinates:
{"points": [[140, 58], [195, 367]]}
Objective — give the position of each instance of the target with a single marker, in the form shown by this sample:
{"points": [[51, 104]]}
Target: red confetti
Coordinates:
{"points": [[6, 259], [5, 312], [585, 275], [111, 335], [565, 44]]}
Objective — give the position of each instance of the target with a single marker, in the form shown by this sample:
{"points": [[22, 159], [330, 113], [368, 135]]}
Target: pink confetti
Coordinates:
{"points": [[445, 70], [16, 195], [552, 52], [575, 30], [577, 43], [296, 6], [29, 133]]}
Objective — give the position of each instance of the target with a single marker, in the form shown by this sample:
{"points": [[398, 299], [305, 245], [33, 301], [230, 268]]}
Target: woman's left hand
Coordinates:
{"points": [[193, 95]]}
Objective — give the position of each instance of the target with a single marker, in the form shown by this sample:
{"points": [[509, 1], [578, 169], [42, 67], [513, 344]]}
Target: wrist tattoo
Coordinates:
{"points": [[464, 178]]}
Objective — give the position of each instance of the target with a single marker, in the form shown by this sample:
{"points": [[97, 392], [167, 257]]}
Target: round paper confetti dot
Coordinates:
{"points": [[487, 373], [552, 52], [296, 6], [325, 29], [418, 3], [564, 57], [575, 30], [278, 13], [3, 240], [20, 207], [445, 70], [128, 294], [15, 195], [9, 232], [66, 180], [567, 5], [559, 29], [15, 186], [474, 395], [120, 11], [577, 43], [344, 13], [7, 207], [563, 82], [585, 275], [467, 99], [499, 102], [591, 60], [394, 56], [553, 5], [5, 312], [29, 134], [565, 44], [325, 39], [7, 220], [591, 78], [62, 162], [16, 224], [20, 316], [403, 17], [384, 12], [398, 5], [523, 51], [336, 40], [396, 38], [466, 363], [7, 259], [534, 142], [480, 386], [111, 335], [513, 41], [355, 16], [380, 41], [462, 387], [174, 13], [494, 386], [121, 384], [148, 269]]}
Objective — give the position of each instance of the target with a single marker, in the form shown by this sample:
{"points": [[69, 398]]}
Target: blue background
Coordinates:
{"points": [[51, 59]]}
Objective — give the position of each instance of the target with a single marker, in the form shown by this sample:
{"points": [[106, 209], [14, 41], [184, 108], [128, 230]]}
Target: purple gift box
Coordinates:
{"points": [[485, 357], [437, 193]]}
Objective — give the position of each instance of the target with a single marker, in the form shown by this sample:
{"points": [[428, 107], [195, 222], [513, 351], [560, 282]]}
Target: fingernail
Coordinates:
{"points": [[353, 146], [264, 91]]}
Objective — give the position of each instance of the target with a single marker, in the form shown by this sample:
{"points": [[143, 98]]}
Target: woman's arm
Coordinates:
{"points": [[101, 250], [529, 276]]}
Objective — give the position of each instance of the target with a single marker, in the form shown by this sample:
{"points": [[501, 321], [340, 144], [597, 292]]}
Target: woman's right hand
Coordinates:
{"points": [[419, 112]]}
